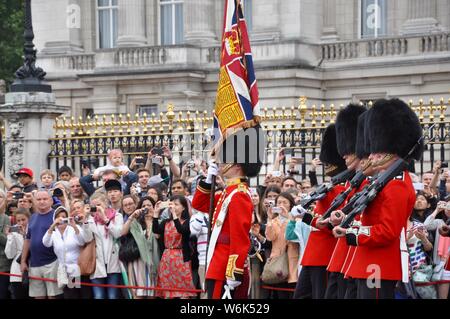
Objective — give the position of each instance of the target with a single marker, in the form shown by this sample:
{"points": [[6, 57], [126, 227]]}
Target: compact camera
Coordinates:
{"points": [[65, 220], [15, 229], [18, 195]]}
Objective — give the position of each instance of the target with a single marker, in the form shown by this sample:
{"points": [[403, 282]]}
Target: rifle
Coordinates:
{"points": [[354, 183], [368, 194], [323, 190]]}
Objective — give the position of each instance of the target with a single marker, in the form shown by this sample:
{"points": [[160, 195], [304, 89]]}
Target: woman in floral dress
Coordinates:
{"points": [[174, 270]]}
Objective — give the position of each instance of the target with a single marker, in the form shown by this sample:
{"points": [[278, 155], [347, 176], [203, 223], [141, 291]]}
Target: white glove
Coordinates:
{"points": [[298, 211], [213, 170], [233, 283]]}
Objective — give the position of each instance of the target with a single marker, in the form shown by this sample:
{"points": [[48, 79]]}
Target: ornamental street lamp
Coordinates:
{"points": [[29, 77]]}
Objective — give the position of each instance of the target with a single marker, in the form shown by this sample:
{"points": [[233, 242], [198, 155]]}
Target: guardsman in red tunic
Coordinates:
{"points": [[381, 257], [346, 132], [229, 243], [313, 276], [362, 150]]}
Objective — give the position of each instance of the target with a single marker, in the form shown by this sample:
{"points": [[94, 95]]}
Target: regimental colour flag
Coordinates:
{"points": [[237, 104]]}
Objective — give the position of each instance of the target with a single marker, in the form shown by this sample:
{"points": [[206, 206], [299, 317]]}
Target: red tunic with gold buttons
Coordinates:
{"points": [[321, 242], [233, 242], [341, 249], [377, 240]]}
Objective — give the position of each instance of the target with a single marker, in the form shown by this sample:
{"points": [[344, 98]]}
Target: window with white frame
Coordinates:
{"points": [[171, 22], [373, 18], [248, 13], [107, 13], [147, 109]]}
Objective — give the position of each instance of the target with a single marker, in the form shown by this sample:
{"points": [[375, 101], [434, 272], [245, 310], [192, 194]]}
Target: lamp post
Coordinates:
{"points": [[29, 77]]}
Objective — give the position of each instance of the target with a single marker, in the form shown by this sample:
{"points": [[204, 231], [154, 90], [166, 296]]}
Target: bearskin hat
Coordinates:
{"points": [[362, 148], [346, 126], [394, 128], [328, 150], [245, 147]]}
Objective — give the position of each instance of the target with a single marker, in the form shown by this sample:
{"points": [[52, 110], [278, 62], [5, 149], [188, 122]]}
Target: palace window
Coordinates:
{"points": [[107, 12], [373, 18], [172, 31], [147, 109]]}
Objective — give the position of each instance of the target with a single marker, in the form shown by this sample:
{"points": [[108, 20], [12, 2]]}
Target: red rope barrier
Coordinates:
{"points": [[278, 289], [108, 285]]}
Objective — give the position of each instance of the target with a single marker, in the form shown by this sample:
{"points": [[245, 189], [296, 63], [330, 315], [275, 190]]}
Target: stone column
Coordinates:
{"points": [[57, 26], [29, 119], [329, 32], [131, 23], [266, 21], [421, 17], [198, 21]]}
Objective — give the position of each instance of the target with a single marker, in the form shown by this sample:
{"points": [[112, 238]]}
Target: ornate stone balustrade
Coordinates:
{"points": [[385, 47]]}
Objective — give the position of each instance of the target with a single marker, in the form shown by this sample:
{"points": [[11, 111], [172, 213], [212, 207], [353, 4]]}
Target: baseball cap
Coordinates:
{"points": [[24, 171], [58, 210], [154, 180], [113, 184]]}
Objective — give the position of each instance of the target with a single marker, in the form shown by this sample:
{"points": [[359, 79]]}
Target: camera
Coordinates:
{"points": [[15, 229], [78, 219], [18, 195], [157, 151], [271, 202], [444, 165], [140, 160], [57, 192], [141, 217], [190, 164], [65, 220], [276, 210], [156, 160], [93, 209]]}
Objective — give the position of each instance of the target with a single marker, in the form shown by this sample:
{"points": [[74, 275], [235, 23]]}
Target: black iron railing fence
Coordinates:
{"points": [[188, 134]]}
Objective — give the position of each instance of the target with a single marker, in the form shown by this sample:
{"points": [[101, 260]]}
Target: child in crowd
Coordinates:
{"points": [[47, 179], [114, 162]]}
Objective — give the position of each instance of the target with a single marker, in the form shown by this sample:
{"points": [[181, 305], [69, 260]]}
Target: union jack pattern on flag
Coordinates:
{"points": [[237, 104]]}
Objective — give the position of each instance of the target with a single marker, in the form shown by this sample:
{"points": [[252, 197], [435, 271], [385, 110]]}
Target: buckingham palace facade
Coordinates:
{"points": [[135, 56]]}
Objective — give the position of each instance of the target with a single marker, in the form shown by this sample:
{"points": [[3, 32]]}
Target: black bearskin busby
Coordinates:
{"points": [[362, 148], [346, 127], [394, 128], [245, 147], [328, 151]]}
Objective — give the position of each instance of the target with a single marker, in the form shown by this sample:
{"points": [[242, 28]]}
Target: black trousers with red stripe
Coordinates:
{"points": [[312, 283], [386, 290]]}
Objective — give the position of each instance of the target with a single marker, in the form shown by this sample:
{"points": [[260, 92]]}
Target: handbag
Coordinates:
{"points": [[87, 259], [438, 271], [129, 250], [276, 270], [423, 273]]}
